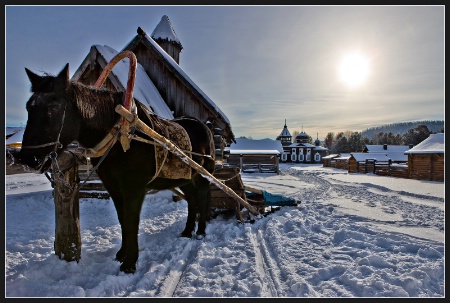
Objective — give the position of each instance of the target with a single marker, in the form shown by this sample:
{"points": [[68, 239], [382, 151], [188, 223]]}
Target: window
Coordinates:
{"points": [[317, 157], [283, 157], [293, 157]]}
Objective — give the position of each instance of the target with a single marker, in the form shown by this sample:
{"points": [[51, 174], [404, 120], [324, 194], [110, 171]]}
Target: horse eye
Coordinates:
{"points": [[53, 108]]}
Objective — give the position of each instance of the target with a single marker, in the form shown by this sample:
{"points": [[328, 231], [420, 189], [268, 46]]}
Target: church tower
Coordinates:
{"points": [[166, 37], [317, 142], [285, 137]]}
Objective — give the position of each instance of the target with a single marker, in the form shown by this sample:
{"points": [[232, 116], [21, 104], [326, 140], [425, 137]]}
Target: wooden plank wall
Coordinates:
{"points": [[426, 166]]}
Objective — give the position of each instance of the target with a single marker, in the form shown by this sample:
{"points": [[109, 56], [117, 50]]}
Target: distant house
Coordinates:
{"points": [[341, 162], [300, 151], [426, 159], [328, 160], [395, 152], [366, 162], [255, 155]]}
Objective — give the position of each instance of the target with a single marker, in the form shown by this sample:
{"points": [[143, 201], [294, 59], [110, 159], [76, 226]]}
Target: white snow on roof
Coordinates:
{"points": [[371, 156], [331, 156], [343, 157], [164, 30], [144, 90], [305, 145], [254, 152], [174, 64], [380, 148], [248, 146], [435, 143], [397, 156], [320, 148]]}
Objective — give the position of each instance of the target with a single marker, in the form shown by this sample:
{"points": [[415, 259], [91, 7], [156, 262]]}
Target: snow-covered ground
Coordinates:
{"points": [[353, 235]]}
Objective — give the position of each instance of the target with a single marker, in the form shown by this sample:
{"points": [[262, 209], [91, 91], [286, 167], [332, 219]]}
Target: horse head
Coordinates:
{"points": [[52, 123]]}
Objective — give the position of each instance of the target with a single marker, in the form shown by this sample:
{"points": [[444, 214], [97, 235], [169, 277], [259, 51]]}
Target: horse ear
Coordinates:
{"points": [[64, 74], [34, 79]]}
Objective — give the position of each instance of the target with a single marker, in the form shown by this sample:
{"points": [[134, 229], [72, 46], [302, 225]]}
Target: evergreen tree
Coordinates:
{"points": [[328, 141], [416, 135]]}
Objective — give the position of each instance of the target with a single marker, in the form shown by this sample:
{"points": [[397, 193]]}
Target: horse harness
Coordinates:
{"points": [[117, 133]]}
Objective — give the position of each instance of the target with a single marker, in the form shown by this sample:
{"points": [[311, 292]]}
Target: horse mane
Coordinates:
{"points": [[96, 106]]}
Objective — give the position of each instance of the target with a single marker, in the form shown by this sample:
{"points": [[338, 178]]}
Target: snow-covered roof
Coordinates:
{"points": [[164, 30], [254, 152], [144, 89], [342, 157], [331, 156], [380, 148], [307, 145], [174, 64], [371, 156], [249, 146], [435, 143], [397, 156]]}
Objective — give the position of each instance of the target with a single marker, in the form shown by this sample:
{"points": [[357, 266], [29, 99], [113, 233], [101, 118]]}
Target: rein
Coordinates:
{"points": [[56, 143]]}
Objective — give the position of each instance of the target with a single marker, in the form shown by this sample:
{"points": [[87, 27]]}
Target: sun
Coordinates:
{"points": [[354, 70]]}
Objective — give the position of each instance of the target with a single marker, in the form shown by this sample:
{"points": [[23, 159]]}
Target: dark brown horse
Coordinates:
{"points": [[61, 111]]}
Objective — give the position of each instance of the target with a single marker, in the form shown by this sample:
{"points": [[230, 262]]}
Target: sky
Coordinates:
{"points": [[261, 65], [352, 235]]}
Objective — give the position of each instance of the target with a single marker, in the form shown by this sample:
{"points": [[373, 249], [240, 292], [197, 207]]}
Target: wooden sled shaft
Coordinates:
{"points": [[180, 154]]}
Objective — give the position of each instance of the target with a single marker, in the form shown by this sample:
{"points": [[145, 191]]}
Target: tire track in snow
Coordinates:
{"points": [[174, 273], [265, 265]]}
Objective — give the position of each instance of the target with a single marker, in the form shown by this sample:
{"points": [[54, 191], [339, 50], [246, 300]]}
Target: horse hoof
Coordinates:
{"points": [[128, 269], [200, 237], [186, 235]]}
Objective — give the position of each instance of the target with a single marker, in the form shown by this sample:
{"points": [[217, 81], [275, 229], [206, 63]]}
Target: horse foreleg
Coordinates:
{"points": [[189, 193], [113, 188], [130, 229]]}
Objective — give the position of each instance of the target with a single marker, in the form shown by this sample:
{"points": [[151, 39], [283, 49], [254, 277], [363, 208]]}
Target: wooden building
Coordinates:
{"points": [[328, 160], [158, 57], [255, 155], [367, 162], [341, 162], [300, 151], [395, 152], [426, 159]]}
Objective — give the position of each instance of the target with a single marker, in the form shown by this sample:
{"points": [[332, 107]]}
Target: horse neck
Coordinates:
{"points": [[97, 113]]}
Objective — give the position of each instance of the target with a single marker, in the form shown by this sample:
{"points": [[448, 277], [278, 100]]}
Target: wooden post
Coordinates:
{"points": [[67, 210], [277, 164]]}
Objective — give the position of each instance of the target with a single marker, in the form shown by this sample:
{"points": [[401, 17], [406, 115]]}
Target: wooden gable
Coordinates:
{"points": [[181, 94]]}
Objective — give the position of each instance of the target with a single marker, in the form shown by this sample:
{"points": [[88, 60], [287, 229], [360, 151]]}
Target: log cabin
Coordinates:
{"points": [[426, 159]]}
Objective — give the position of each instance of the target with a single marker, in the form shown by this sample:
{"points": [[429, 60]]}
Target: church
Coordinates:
{"points": [[300, 151]]}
